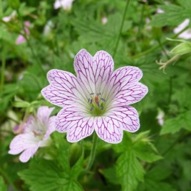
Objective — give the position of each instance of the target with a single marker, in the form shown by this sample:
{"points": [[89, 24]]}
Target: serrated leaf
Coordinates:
{"points": [[174, 125], [50, 177], [146, 153], [144, 149], [129, 170]]}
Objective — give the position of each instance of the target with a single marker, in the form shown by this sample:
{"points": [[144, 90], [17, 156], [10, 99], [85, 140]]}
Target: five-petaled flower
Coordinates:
{"points": [[98, 98], [36, 133]]}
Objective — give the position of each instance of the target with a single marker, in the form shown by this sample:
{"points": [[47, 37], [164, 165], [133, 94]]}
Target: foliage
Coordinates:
{"points": [[157, 157]]}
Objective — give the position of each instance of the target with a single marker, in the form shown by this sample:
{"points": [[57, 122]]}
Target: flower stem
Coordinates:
{"points": [[92, 153], [3, 69], [121, 27]]}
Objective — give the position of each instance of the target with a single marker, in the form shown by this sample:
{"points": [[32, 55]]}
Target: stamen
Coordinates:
{"points": [[97, 104]]}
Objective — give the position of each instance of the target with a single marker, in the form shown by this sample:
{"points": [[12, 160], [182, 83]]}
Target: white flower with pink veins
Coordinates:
{"points": [[36, 133], [97, 98]]}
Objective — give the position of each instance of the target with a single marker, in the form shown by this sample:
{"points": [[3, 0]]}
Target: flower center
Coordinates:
{"points": [[39, 129], [97, 104]]}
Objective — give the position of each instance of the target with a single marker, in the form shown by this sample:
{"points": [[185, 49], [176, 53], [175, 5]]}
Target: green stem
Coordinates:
{"points": [[3, 69], [29, 44], [121, 27], [93, 152]]}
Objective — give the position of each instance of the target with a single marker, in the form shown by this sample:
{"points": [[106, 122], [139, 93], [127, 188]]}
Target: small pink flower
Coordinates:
{"points": [[98, 98], [36, 133], [21, 39]]}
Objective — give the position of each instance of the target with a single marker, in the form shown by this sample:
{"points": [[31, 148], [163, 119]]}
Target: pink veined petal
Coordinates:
{"points": [[127, 74], [109, 129], [103, 65], [95, 71], [67, 118], [123, 77], [130, 93], [63, 87], [27, 154], [126, 116], [83, 68], [22, 142], [76, 125], [43, 113]]}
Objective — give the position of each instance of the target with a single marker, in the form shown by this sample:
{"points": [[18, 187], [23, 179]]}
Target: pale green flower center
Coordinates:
{"points": [[96, 104]]}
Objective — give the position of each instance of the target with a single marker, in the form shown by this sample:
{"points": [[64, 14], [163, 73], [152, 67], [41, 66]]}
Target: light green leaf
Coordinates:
{"points": [[50, 177], [144, 149], [173, 125], [129, 170]]}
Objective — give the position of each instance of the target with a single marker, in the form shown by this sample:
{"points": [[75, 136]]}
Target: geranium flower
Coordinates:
{"points": [[36, 133], [98, 98], [65, 4]]}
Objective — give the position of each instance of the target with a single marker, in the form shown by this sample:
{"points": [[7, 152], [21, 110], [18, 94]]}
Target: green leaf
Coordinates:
{"points": [[129, 170], [174, 125], [153, 180], [78, 167], [144, 149], [48, 176], [172, 16]]}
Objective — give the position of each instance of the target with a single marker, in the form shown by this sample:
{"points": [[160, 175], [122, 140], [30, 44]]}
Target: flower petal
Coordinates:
{"points": [[127, 74], [76, 125], [43, 113], [109, 129], [22, 142], [103, 65], [130, 93], [27, 154], [62, 89], [51, 126], [95, 71], [127, 117]]}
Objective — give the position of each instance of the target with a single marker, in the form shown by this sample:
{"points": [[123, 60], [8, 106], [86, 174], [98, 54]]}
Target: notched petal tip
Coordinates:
{"points": [[109, 130], [82, 53]]}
